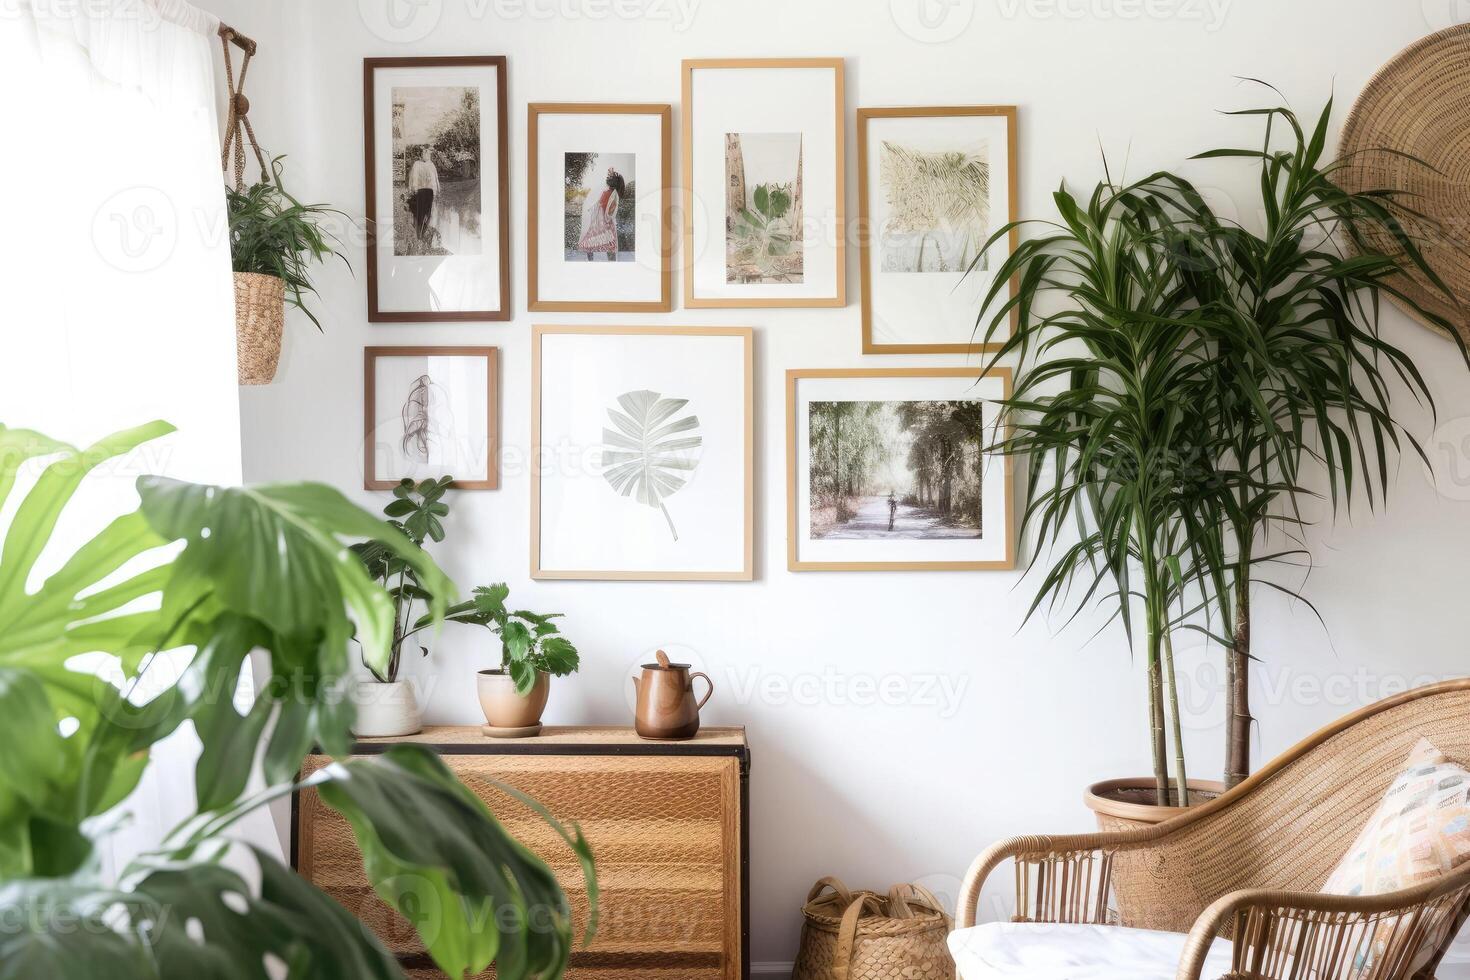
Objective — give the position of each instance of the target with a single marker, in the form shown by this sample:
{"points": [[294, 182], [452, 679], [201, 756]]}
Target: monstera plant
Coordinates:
{"points": [[212, 574]]}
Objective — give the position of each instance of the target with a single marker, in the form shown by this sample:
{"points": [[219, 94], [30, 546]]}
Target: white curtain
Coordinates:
{"points": [[116, 300]]}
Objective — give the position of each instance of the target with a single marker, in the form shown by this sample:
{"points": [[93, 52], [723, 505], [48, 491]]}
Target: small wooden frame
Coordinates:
{"points": [[536, 303], [490, 480], [839, 297], [795, 563], [746, 572], [375, 313], [865, 237]]}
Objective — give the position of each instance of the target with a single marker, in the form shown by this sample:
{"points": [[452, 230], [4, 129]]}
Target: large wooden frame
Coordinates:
{"points": [[375, 315], [793, 561], [666, 199], [370, 356], [687, 156], [864, 232], [744, 574]]}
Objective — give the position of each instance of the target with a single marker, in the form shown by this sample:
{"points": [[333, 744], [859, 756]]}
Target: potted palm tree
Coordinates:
{"points": [[1205, 364]]}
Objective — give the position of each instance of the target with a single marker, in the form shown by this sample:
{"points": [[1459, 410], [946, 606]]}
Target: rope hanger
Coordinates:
{"points": [[237, 125]]}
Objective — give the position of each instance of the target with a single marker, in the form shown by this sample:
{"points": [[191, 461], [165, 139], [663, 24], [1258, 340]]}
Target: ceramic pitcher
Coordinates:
{"points": [[666, 705]]}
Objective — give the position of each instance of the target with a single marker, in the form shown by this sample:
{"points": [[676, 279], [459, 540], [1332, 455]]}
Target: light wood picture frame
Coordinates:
{"points": [[916, 535], [789, 97], [450, 261], [422, 418], [908, 308], [690, 388], [647, 268]]}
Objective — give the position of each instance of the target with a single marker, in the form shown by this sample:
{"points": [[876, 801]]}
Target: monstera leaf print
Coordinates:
{"points": [[646, 456]]}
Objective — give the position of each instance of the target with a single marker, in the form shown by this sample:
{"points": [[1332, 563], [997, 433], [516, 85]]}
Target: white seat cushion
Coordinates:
{"points": [[1052, 952]]}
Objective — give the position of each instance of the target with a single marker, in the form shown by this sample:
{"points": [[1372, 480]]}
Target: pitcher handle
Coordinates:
{"points": [[707, 694]]}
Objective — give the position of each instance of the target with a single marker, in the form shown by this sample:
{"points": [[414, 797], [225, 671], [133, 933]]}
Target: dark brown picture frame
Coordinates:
{"points": [[665, 302], [369, 66], [370, 355]]}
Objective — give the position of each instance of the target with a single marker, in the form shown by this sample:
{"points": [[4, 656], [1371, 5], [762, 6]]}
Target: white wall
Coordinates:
{"points": [[998, 727]]}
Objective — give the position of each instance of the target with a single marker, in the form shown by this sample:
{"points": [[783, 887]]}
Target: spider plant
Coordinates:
{"points": [[1301, 374], [274, 234], [1118, 452]]}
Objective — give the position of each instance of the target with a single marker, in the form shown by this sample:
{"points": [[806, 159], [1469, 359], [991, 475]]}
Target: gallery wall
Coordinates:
{"points": [[899, 722]]}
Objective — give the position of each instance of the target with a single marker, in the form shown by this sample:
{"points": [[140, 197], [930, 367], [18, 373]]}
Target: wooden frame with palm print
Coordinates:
{"points": [[745, 367], [866, 182]]}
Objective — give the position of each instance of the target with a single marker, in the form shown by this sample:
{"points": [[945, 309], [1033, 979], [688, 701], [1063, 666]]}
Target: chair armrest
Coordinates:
{"points": [[1281, 934], [1071, 875]]}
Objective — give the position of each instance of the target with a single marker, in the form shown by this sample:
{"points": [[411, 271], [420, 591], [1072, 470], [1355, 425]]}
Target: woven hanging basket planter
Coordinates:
{"points": [[260, 313], [863, 936], [1417, 108]]}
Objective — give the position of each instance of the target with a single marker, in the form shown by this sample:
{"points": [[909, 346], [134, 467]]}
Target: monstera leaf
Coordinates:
{"points": [[208, 575], [645, 455]]}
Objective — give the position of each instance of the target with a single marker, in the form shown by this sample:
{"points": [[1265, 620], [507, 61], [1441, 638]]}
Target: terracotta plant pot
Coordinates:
{"points": [[510, 714], [385, 710], [1127, 804]]}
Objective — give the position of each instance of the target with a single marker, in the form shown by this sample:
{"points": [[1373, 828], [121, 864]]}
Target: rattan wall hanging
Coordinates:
{"points": [[1410, 132]]}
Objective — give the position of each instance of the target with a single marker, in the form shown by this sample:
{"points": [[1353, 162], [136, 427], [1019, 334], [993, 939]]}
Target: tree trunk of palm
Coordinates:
{"points": [[1181, 776], [1156, 717], [1238, 726]]}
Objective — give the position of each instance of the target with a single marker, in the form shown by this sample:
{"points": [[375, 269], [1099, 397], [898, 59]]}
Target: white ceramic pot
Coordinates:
{"points": [[385, 710]]}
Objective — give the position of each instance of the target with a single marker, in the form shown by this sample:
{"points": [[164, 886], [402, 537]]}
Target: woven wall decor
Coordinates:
{"points": [[1417, 108]]}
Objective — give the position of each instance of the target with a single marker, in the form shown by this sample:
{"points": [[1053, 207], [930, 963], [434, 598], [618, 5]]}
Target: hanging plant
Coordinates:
{"points": [[274, 238]]}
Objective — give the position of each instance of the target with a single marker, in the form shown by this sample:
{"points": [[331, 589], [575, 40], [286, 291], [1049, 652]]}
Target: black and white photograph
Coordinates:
{"points": [[436, 170], [437, 189]]}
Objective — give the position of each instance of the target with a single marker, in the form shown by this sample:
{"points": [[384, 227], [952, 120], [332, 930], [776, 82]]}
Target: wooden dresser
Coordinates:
{"points": [[667, 822]]}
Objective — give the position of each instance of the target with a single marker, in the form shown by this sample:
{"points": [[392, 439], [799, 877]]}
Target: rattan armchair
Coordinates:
{"points": [[1250, 865]]}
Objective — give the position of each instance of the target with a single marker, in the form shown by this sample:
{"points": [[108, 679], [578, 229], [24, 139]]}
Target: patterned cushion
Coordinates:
{"points": [[1420, 831]]}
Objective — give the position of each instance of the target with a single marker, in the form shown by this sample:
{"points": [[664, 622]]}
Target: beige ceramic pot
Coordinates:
{"points": [[1127, 804], [504, 708]]}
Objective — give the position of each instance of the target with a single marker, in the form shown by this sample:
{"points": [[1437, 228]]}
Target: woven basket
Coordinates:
{"points": [[260, 312], [861, 936]]}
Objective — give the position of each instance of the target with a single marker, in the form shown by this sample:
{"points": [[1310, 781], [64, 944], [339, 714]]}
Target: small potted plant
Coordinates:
{"points": [[532, 651], [274, 239], [387, 706]]}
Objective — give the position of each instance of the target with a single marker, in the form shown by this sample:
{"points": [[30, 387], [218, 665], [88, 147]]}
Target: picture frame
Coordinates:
{"points": [[422, 416], [914, 298], [626, 423], [938, 511], [765, 136], [438, 224], [637, 276]]}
